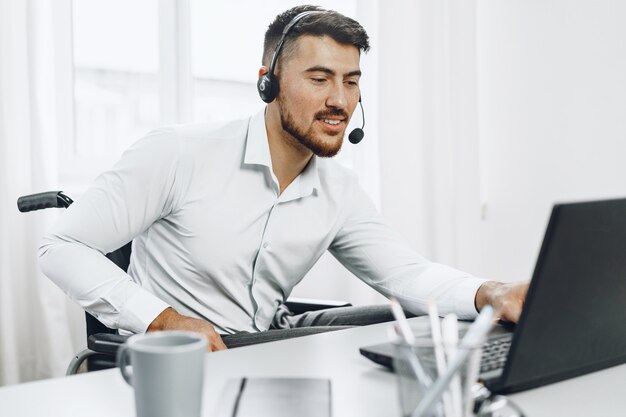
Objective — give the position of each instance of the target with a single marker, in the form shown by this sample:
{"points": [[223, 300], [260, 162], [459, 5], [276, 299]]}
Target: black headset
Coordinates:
{"points": [[267, 85]]}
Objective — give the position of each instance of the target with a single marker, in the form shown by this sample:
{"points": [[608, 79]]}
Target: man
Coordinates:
{"points": [[226, 220]]}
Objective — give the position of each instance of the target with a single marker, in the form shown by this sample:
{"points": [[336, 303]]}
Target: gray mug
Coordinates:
{"points": [[167, 372]]}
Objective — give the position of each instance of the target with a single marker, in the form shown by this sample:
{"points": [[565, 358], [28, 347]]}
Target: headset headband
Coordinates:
{"points": [[286, 30]]}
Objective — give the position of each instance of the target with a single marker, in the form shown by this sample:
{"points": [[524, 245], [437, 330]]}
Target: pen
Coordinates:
{"points": [[403, 324], [440, 359], [409, 340], [450, 337], [473, 370]]}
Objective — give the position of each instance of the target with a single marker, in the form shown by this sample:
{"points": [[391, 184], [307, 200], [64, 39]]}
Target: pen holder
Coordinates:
{"points": [[416, 370]]}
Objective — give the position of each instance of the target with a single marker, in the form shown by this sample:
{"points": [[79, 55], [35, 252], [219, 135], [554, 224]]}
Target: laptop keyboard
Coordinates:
{"points": [[494, 354]]}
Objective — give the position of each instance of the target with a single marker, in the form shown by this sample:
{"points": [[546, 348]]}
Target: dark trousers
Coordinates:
{"points": [[287, 325]]}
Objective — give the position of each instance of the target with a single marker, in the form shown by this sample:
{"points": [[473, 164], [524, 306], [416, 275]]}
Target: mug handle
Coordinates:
{"points": [[123, 362]]}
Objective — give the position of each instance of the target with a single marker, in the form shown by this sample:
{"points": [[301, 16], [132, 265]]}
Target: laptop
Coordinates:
{"points": [[574, 316]]}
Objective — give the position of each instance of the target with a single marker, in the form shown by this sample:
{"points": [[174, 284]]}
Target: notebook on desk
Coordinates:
{"points": [[275, 397], [575, 310]]}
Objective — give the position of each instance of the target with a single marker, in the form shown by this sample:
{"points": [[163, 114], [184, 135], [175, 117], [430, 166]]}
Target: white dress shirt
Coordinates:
{"points": [[214, 238]]}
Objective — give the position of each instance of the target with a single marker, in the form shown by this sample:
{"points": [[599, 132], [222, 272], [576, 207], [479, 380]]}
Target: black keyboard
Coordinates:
{"points": [[494, 354]]}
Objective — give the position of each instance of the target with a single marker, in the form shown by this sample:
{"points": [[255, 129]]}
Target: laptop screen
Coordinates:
{"points": [[573, 320]]}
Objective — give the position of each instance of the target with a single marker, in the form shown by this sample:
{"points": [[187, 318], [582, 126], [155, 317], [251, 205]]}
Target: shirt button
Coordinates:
{"points": [[266, 244]]}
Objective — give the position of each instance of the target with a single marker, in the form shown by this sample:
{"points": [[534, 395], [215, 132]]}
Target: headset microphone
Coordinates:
{"points": [[357, 134]]}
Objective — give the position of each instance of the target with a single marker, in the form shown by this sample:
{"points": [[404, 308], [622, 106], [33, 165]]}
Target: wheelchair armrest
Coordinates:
{"points": [[301, 305], [106, 343]]}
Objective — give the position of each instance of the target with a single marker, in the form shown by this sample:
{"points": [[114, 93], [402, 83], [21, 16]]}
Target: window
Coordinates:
{"points": [[115, 82]]}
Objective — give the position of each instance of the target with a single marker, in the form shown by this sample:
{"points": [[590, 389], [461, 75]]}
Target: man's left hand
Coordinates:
{"points": [[507, 299]]}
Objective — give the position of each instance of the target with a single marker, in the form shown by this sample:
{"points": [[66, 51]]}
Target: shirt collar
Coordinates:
{"points": [[309, 177], [258, 153], [257, 145]]}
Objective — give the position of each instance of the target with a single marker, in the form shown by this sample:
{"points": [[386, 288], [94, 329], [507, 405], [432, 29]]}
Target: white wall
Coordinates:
{"points": [[491, 111], [552, 106], [429, 127]]}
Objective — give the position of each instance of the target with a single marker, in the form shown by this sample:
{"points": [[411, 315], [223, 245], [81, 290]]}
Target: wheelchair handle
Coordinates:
{"points": [[39, 201]]}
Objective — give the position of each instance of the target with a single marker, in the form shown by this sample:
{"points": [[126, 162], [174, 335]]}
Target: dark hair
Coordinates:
{"points": [[330, 23]]}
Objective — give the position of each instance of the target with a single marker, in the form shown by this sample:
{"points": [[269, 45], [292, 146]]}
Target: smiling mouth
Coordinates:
{"points": [[332, 124], [333, 121]]}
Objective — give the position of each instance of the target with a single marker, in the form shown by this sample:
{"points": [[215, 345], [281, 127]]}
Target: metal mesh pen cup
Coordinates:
{"points": [[416, 370]]}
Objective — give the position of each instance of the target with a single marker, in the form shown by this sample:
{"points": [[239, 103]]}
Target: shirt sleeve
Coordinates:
{"points": [[372, 251], [121, 204]]}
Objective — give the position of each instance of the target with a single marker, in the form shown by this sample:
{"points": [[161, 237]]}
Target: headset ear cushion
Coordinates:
{"points": [[267, 86]]}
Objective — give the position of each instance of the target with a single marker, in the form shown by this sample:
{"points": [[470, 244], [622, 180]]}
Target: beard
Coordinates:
{"points": [[321, 148]]}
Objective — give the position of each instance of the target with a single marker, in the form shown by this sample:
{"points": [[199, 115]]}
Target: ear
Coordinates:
{"points": [[263, 70]]}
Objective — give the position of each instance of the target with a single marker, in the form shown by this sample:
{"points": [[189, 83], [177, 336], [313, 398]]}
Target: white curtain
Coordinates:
{"points": [[39, 329], [430, 188]]}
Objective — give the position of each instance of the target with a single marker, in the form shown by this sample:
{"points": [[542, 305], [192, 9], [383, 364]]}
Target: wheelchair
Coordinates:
{"points": [[103, 342]]}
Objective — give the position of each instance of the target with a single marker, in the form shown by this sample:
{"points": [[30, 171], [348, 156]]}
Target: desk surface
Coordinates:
{"points": [[359, 387]]}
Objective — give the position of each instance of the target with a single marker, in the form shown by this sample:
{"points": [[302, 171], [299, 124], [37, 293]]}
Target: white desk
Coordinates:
{"points": [[359, 387]]}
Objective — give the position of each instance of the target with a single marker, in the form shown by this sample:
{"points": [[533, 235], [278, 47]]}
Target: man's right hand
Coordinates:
{"points": [[169, 319]]}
